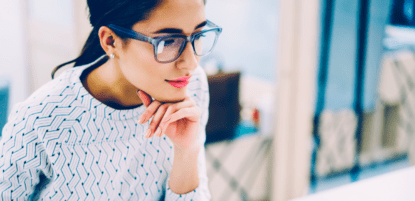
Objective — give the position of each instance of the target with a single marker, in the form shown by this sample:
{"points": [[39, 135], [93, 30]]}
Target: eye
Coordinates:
{"points": [[199, 36], [169, 42]]}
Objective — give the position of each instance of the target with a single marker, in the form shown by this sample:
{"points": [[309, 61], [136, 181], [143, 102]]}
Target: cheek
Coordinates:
{"points": [[136, 63], [141, 70]]}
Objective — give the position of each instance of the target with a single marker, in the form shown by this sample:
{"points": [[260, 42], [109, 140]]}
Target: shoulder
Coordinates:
{"points": [[53, 93], [55, 87]]}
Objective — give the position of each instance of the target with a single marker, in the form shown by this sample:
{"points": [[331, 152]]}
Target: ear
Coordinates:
{"points": [[107, 39]]}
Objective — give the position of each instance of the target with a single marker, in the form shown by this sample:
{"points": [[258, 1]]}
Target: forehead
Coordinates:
{"points": [[178, 14]]}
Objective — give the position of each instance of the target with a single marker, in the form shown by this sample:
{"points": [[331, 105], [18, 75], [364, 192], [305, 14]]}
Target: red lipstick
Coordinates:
{"points": [[179, 82]]}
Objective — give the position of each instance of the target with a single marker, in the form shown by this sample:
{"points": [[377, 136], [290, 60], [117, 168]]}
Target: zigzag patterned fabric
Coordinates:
{"points": [[63, 144]]}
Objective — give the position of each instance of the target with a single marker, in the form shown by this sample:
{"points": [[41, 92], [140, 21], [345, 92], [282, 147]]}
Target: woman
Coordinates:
{"points": [[127, 123]]}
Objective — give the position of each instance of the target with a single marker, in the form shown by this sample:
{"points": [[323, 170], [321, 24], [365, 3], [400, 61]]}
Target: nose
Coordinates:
{"points": [[188, 60]]}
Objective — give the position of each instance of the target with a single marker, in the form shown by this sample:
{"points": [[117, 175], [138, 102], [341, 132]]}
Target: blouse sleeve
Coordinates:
{"points": [[22, 158], [200, 94]]}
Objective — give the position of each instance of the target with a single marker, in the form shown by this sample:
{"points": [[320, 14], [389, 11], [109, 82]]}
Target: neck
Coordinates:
{"points": [[107, 84]]}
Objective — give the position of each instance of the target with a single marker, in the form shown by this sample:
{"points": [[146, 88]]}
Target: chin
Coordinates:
{"points": [[170, 100], [176, 96]]}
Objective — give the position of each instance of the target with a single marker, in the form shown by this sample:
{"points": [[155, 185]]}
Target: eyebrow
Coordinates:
{"points": [[178, 31]]}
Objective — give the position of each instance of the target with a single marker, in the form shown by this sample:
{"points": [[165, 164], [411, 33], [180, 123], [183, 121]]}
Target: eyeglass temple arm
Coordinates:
{"points": [[129, 33], [211, 24]]}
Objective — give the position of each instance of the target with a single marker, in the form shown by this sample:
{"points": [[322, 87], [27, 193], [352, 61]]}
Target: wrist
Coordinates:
{"points": [[184, 175], [187, 151]]}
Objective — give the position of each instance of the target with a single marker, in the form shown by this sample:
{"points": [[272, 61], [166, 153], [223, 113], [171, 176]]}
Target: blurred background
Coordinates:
{"points": [[306, 95]]}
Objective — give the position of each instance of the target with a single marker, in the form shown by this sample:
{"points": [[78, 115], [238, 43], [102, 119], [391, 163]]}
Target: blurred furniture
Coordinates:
{"points": [[398, 185], [402, 13], [337, 142], [396, 107], [347, 132], [4, 101], [238, 159], [240, 169], [224, 108], [388, 133]]}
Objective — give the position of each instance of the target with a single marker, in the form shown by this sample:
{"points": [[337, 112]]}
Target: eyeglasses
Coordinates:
{"points": [[168, 48]]}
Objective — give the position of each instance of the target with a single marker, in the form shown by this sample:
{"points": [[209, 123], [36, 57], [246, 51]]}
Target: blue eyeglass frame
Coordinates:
{"points": [[127, 33]]}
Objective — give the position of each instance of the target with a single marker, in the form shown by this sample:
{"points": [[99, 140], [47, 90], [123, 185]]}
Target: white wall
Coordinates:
{"points": [[298, 47], [36, 36], [13, 51], [249, 38], [52, 38]]}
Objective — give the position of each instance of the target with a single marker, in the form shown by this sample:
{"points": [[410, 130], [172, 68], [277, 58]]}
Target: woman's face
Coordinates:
{"points": [[136, 58]]}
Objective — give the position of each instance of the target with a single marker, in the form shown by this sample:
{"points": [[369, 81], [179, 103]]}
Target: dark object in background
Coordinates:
{"points": [[399, 16], [4, 102], [224, 107]]}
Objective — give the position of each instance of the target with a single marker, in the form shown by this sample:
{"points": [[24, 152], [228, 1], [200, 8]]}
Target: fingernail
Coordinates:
{"points": [[158, 131], [138, 90], [148, 133]]}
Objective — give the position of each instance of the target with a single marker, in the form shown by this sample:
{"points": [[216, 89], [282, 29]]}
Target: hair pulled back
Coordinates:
{"points": [[124, 13]]}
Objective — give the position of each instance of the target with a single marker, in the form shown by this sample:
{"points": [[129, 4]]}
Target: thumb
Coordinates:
{"points": [[144, 97]]}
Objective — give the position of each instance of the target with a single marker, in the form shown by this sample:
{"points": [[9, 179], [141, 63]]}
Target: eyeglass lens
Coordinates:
{"points": [[169, 48], [204, 43]]}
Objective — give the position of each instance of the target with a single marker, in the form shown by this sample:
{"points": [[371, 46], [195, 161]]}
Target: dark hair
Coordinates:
{"points": [[124, 13]]}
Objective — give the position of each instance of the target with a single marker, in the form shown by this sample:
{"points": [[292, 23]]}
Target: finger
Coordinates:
{"points": [[145, 98], [148, 113], [192, 114], [174, 108], [170, 110], [154, 125]]}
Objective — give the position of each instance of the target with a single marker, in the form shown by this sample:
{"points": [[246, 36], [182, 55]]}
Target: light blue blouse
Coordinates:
{"points": [[63, 144]]}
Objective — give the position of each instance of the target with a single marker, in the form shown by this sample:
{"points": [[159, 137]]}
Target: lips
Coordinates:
{"points": [[180, 82]]}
